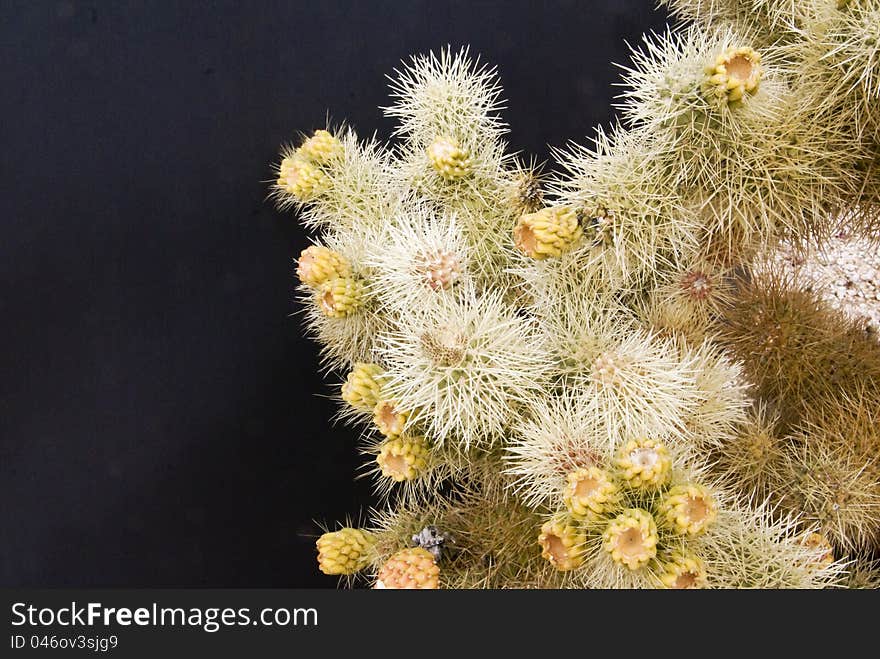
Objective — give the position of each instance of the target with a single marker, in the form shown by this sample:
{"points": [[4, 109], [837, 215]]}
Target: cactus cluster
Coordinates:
{"points": [[596, 377]]}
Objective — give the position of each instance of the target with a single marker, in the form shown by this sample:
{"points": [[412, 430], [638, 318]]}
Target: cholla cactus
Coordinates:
{"points": [[800, 353], [863, 573], [643, 386], [599, 381], [419, 259], [464, 366], [835, 487], [689, 302], [747, 459], [770, 20]]}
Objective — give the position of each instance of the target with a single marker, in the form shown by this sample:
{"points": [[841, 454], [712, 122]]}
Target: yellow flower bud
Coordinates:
{"points": [[735, 73], [403, 458], [631, 538], [301, 179], [389, 419], [644, 464], [682, 570], [345, 551], [340, 297], [363, 386], [589, 493], [547, 233], [318, 264], [688, 509], [320, 148], [562, 543], [448, 159], [411, 569]]}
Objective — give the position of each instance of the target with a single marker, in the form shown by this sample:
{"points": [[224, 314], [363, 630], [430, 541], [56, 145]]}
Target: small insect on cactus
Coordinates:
{"points": [[600, 378]]}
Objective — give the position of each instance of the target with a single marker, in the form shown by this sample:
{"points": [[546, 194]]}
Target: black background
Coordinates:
{"points": [[161, 418]]}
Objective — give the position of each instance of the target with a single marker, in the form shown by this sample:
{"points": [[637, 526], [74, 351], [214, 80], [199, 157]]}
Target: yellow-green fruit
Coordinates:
{"points": [[345, 551], [688, 509], [547, 233], [340, 297], [735, 73], [682, 570], [320, 148], [562, 543], [409, 569], [317, 265], [301, 179], [389, 419], [589, 493], [403, 458], [448, 159], [644, 464], [631, 538], [363, 387]]}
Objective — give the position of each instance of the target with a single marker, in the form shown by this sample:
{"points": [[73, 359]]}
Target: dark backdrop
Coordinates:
{"points": [[160, 416]]}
